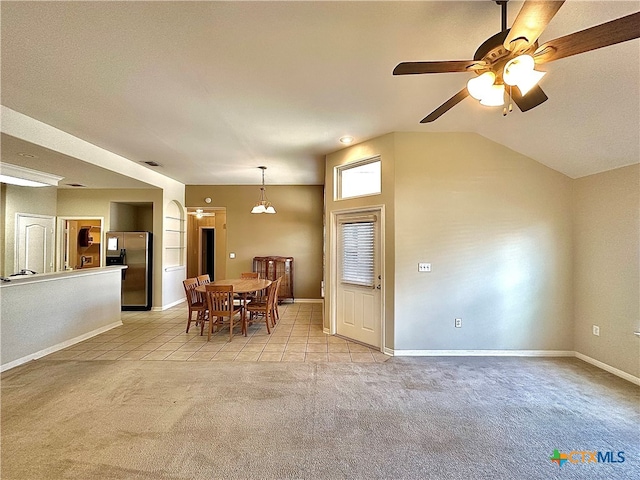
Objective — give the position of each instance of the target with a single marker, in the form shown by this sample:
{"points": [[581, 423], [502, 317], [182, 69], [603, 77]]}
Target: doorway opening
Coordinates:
{"points": [[80, 240], [206, 242], [207, 252]]}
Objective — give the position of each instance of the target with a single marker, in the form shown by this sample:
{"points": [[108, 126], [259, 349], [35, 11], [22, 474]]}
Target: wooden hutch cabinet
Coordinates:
{"points": [[273, 267]]}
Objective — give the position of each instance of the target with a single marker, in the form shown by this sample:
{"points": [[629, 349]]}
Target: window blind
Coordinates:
{"points": [[358, 258]]}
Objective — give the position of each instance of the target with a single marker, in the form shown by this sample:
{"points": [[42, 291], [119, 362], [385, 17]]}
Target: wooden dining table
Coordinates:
{"points": [[242, 286]]}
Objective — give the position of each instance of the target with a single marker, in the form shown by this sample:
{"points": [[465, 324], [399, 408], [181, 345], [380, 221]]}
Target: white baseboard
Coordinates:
{"points": [[168, 306], [513, 353], [479, 353], [307, 300], [608, 368], [59, 346]]}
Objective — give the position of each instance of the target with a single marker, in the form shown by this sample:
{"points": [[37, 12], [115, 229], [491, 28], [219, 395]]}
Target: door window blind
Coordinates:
{"points": [[358, 259]]}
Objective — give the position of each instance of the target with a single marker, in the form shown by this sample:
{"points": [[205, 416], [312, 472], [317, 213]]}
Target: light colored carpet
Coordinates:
{"points": [[411, 418]]}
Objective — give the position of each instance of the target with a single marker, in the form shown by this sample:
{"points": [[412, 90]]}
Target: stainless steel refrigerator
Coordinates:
{"points": [[132, 249]]}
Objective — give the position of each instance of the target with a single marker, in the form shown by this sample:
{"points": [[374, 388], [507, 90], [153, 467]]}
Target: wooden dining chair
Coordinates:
{"points": [[251, 297], [203, 279], [265, 308], [196, 303], [221, 307], [276, 313]]}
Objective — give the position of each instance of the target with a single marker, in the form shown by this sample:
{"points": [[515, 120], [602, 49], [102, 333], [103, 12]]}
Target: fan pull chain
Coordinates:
{"points": [[504, 109], [509, 108]]}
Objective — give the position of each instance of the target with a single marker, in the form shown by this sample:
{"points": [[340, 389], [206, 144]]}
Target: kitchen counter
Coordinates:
{"points": [[48, 277], [44, 313]]}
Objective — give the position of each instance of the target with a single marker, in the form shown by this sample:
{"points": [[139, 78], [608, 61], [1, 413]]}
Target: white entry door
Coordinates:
{"points": [[359, 282], [34, 243]]}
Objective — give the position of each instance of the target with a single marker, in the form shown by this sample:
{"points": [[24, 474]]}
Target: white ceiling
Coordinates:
{"points": [[211, 90]]}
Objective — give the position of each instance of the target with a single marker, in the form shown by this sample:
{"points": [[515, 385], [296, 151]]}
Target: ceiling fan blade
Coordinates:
{"points": [[532, 99], [446, 106], [453, 66], [603, 35], [533, 18]]}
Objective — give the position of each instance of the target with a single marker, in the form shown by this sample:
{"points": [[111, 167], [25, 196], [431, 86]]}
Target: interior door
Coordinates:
{"points": [[359, 282], [34, 243]]}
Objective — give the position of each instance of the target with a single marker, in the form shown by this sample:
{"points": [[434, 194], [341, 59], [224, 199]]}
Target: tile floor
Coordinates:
{"points": [[298, 337]]}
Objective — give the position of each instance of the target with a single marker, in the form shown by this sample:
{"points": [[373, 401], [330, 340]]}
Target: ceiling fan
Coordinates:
{"points": [[199, 213], [505, 63]]}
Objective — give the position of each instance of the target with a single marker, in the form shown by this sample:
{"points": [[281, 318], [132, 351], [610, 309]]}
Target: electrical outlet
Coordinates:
{"points": [[424, 267], [458, 323], [596, 330]]}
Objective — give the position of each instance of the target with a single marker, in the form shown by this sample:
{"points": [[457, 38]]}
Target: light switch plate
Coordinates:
{"points": [[232, 255], [424, 267]]}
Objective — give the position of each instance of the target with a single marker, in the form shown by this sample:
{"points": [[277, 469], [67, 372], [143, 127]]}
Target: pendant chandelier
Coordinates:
{"points": [[263, 205]]}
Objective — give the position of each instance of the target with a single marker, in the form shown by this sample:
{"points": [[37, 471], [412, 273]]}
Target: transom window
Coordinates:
{"points": [[358, 179]]}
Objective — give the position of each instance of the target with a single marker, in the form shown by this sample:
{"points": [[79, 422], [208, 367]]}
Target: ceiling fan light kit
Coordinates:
{"points": [[520, 72], [200, 213], [494, 96], [479, 87], [510, 56], [263, 205]]}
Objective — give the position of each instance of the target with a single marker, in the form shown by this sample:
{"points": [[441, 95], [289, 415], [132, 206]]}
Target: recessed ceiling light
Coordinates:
{"points": [[27, 155], [346, 140]]}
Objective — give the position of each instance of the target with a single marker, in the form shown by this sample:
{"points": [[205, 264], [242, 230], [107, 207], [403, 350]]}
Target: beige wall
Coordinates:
{"points": [[496, 227], [125, 217], [384, 147], [296, 230], [15, 199], [607, 283]]}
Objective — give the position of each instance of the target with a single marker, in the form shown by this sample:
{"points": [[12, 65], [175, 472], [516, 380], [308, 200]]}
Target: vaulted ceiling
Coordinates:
{"points": [[211, 90]]}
